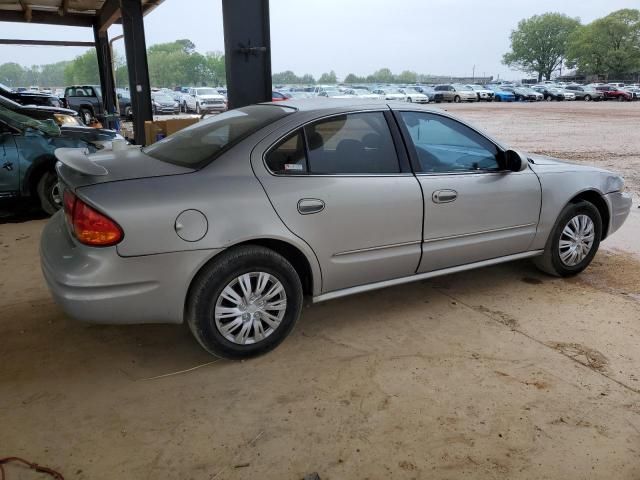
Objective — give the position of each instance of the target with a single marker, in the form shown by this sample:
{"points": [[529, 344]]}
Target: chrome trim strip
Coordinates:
{"points": [[381, 247], [462, 235], [423, 276]]}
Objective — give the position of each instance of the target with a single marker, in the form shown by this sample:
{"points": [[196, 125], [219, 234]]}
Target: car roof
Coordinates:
{"points": [[320, 104]]}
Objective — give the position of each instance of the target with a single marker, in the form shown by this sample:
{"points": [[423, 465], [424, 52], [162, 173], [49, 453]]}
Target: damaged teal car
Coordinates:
{"points": [[27, 161]]}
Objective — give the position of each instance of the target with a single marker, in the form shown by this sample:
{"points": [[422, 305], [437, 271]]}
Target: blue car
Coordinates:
{"points": [[501, 95], [27, 158]]}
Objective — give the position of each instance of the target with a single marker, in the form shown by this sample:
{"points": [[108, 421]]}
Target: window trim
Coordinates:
{"points": [[413, 154], [400, 148]]}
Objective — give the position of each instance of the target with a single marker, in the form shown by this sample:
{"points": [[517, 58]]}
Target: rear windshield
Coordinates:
{"points": [[198, 145]]}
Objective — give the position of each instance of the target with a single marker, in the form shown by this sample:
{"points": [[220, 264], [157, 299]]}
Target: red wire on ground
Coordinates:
{"points": [[32, 466]]}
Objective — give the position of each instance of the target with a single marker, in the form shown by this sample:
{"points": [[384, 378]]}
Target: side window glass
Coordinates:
{"points": [[358, 143], [444, 145], [288, 157]]}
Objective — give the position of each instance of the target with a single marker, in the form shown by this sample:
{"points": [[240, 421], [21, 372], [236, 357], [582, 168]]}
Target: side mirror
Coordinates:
{"points": [[515, 161]]}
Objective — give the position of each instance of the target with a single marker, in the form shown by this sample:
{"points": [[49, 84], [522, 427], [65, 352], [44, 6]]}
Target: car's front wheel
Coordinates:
{"points": [[244, 303], [574, 240]]}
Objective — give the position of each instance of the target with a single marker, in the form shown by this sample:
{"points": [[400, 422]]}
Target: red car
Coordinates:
{"points": [[279, 96], [615, 93]]}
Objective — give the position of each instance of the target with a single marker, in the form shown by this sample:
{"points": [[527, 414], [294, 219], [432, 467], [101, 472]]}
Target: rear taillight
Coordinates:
{"points": [[90, 226]]}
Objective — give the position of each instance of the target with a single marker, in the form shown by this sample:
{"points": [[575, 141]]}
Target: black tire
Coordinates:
{"points": [[198, 108], [621, 98], [456, 99], [209, 284], [550, 261], [128, 113], [48, 192], [409, 99], [587, 98], [85, 115], [548, 98], [185, 107], [498, 98]]}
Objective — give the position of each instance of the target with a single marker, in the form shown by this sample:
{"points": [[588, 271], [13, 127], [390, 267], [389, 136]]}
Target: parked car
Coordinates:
{"points": [[522, 94], [27, 160], [634, 91], [363, 94], [484, 94], [279, 96], [61, 116], [434, 96], [586, 93], [615, 93], [414, 96], [86, 100], [272, 202], [568, 94], [391, 93], [550, 93], [164, 104], [501, 95], [457, 93], [208, 100], [124, 104], [334, 94], [25, 97]]}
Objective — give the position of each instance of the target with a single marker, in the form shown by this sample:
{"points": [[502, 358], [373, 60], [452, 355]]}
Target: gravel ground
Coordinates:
{"points": [[496, 373]]}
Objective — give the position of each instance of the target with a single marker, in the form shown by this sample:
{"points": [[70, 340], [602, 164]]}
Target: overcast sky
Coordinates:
{"points": [[354, 36]]}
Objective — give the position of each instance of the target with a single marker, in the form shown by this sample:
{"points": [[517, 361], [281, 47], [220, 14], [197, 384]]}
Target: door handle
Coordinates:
{"points": [[307, 206], [444, 196]]}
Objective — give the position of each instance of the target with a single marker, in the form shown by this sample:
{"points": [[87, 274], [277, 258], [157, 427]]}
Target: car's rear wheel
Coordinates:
{"points": [[198, 108], [456, 99], [49, 193], [620, 98], [245, 303], [587, 98], [574, 240]]}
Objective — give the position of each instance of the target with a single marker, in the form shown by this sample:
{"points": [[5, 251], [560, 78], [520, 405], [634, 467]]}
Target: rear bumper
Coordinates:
{"points": [[97, 285], [619, 206]]}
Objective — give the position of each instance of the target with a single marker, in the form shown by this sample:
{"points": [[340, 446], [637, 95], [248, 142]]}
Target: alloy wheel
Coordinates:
{"points": [[250, 308], [576, 240]]}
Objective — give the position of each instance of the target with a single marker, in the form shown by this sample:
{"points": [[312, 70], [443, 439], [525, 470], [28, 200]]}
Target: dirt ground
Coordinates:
{"points": [[497, 373]]}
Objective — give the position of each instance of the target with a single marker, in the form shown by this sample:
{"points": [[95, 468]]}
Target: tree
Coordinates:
{"points": [[52, 75], [351, 78], [83, 69], [11, 74], [609, 45], [539, 44], [383, 75], [407, 77], [307, 79], [328, 77]]}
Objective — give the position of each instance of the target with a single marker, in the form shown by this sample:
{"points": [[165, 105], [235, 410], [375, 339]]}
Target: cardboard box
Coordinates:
{"points": [[158, 129]]}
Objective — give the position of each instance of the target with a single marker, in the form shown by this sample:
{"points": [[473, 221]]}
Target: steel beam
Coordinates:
{"points": [[247, 46], [136, 52], [49, 43], [50, 18], [108, 14], [107, 82]]}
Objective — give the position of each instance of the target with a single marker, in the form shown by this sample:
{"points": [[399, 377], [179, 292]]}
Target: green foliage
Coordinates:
{"points": [[609, 45], [83, 70], [290, 78], [539, 44], [11, 74], [328, 77], [351, 78]]}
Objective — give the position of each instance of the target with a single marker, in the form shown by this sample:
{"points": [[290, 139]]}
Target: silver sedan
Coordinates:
{"points": [[228, 224]]}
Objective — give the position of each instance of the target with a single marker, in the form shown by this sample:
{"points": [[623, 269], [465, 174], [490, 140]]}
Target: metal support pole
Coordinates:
{"points": [[107, 82], [136, 51], [247, 46]]}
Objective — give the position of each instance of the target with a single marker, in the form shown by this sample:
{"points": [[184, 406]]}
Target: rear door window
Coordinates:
{"points": [[357, 143]]}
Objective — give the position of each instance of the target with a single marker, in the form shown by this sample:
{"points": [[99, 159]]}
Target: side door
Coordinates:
{"points": [[343, 184], [9, 163], [474, 209]]}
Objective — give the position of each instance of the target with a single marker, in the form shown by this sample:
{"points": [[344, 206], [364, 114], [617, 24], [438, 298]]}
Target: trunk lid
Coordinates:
{"points": [[78, 168]]}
